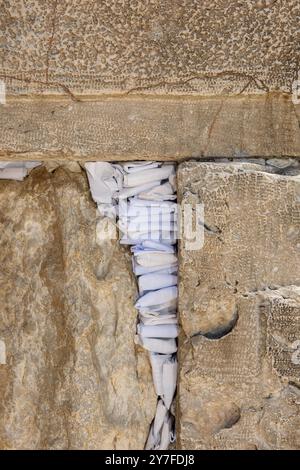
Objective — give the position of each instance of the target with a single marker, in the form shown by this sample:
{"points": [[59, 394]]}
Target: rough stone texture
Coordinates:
{"points": [[182, 46], [152, 128], [89, 51], [239, 302], [74, 378]]}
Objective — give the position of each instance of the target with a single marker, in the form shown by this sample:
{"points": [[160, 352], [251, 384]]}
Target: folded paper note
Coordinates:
{"points": [[16, 170]]}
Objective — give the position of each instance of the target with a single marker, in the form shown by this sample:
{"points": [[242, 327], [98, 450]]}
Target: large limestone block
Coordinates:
{"points": [[73, 377], [155, 129], [239, 349], [179, 46]]}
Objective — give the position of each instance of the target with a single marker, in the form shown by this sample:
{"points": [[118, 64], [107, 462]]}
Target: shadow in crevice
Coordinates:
{"points": [[223, 330]]}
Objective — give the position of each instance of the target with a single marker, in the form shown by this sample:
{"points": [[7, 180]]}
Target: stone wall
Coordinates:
{"points": [[149, 129], [172, 80], [73, 377], [115, 80], [239, 303], [178, 46]]}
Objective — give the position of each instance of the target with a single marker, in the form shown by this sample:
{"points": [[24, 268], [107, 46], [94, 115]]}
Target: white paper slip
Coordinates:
{"points": [[17, 174], [158, 297], [155, 318], [164, 372], [104, 181], [157, 331], [153, 246], [166, 435], [160, 416], [161, 431], [157, 361], [161, 237], [137, 202], [159, 345], [155, 258], [147, 227], [16, 170], [147, 176], [26, 164], [132, 191], [169, 380], [167, 269], [162, 192], [169, 308], [155, 281], [133, 167]]}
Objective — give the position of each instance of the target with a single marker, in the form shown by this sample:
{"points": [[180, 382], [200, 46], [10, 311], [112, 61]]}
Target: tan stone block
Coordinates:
{"points": [[239, 380], [73, 378]]}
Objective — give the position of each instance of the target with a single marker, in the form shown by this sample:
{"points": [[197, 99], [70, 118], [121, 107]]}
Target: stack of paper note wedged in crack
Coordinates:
{"points": [[143, 197], [16, 170]]}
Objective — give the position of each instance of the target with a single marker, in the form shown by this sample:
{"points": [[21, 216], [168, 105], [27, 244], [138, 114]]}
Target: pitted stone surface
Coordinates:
{"points": [[240, 389], [73, 378], [179, 46], [149, 128]]}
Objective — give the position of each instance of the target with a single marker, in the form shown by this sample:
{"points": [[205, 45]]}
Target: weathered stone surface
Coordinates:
{"points": [[73, 377], [182, 46], [239, 357], [152, 128]]}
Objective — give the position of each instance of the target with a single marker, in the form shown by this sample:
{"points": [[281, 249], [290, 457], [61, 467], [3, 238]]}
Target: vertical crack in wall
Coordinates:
{"points": [[141, 198]]}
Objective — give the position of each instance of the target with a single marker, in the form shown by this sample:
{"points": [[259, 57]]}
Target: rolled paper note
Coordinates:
{"points": [[159, 345], [157, 361], [160, 416], [152, 245], [26, 164], [155, 281], [157, 331], [16, 170], [31, 165], [163, 192], [167, 269], [165, 309], [161, 296], [155, 258], [133, 191], [147, 176], [137, 202], [135, 228], [104, 181], [157, 319], [131, 209], [133, 167], [148, 217], [169, 380], [17, 174], [162, 237], [162, 430], [166, 433]]}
